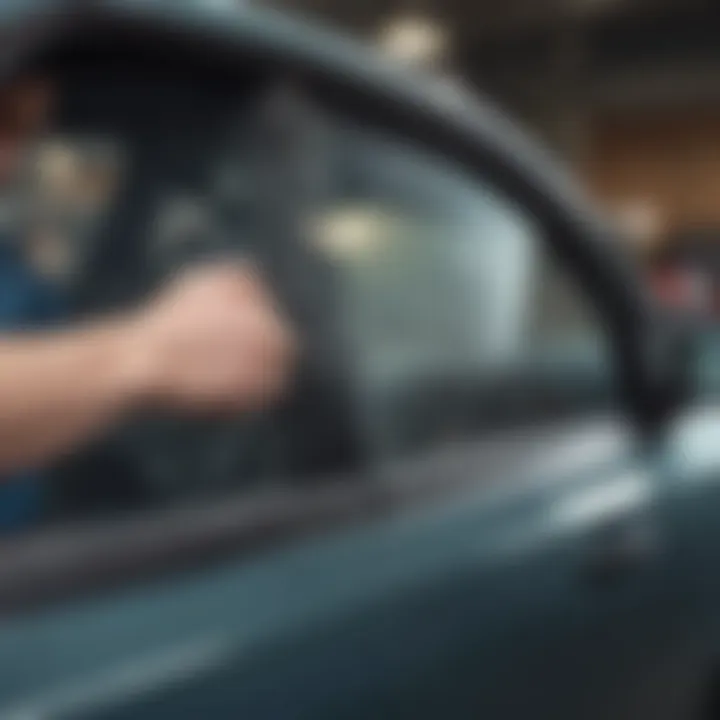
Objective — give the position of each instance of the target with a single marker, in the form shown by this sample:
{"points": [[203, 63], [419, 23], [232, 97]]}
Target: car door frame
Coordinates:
{"points": [[473, 133]]}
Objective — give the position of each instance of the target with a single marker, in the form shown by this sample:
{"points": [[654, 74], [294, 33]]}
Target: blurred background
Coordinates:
{"points": [[627, 91]]}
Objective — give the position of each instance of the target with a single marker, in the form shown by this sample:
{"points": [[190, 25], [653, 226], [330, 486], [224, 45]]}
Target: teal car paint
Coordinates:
{"points": [[557, 562]]}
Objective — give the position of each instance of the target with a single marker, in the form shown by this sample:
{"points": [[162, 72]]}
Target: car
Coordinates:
{"points": [[494, 490]]}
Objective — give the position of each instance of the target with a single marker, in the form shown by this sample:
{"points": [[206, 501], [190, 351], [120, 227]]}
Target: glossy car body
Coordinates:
{"points": [[558, 562]]}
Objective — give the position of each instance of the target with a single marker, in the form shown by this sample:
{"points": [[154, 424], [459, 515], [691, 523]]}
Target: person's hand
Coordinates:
{"points": [[212, 340]]}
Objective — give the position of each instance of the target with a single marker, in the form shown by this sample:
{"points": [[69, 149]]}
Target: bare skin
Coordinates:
{"points": [[210, 342]]}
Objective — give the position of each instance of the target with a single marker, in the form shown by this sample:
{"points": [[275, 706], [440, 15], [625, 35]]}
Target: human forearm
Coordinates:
{"points": [[59, 389], [210, 342]]}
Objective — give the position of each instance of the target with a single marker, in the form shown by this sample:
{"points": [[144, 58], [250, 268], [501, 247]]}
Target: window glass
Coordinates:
{"points": [[448, 285], [71, 184], [452, 315], [101, 207], [49, 213]]}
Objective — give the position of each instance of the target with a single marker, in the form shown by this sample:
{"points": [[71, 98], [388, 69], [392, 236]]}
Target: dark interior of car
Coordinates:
{"points": [[215, 146]]}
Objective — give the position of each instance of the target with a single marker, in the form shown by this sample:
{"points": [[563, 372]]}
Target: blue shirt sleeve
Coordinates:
{"points": [[25, 299]]}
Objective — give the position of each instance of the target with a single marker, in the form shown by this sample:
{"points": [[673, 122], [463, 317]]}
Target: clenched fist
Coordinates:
{"points": [[212, 340]]}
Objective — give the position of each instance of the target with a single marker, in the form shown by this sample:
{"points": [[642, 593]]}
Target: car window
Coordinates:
{"points": [[451, 316], [69, 185], [122, 190], [440, 288], [450, 297]]}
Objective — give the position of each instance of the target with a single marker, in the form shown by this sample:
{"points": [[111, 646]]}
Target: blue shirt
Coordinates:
{"points": [[26, 301]]}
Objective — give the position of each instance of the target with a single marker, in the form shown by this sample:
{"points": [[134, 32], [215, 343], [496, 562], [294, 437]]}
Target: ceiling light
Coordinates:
{"points": [[350, 234], [414, 39]]}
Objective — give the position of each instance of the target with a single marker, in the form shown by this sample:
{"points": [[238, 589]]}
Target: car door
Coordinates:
{"points": [[495, 555], [694, 496], [464, 326], [488, 556]]}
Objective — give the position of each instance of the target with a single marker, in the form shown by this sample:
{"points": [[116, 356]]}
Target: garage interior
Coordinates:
{"points": [[627, 91]]}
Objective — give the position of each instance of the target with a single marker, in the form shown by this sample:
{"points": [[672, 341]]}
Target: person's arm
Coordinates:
{"points": [[57, 390], [211, 342]]}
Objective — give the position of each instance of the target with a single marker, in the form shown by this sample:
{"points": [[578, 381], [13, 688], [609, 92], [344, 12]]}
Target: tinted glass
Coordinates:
{"points": [[449, 295]]}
